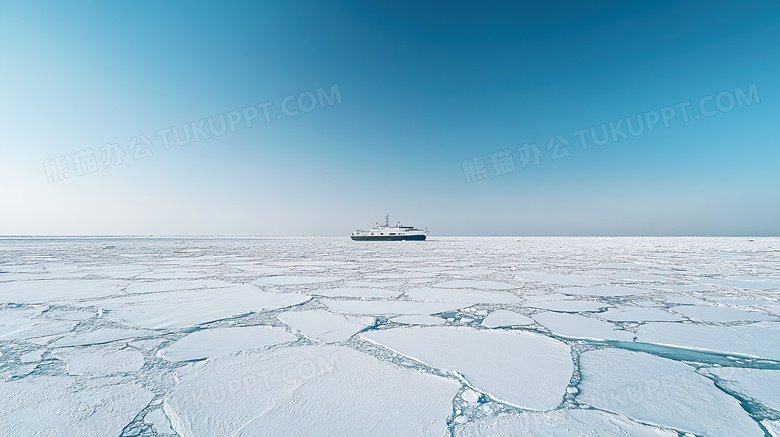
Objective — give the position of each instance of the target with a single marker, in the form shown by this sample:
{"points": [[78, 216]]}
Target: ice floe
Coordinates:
{"points": [[57, 290], [757, 340], [659, 391], [557, 423], [638, 314], [577, 326], [554, 278], [100, 336], [221, 341], [721, 314], [324, 325], [295, 280], [504, 318], [418, 319], [471, 283], [524, 369], [462, 296], [357, 292], [602, 290], [308, 390], [64, 406], [758, 384], [98, 360], [568, 306], [183, 308], [379, 307]]}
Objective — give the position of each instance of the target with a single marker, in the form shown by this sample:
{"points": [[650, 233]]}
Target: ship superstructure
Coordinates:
{"points": [[390, 233]]}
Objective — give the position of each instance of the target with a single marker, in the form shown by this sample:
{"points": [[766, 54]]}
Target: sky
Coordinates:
{"points": [[318, 118]]}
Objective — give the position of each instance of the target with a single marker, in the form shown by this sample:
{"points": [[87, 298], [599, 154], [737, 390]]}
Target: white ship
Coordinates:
{"points": [[390, 233]]}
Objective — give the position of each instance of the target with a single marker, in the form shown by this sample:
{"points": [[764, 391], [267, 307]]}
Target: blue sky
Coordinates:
{"points": [[419, 89]]}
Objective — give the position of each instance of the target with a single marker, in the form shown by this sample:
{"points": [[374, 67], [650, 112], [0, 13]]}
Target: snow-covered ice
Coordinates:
{"points": [[662, 392], [758, 384], [308, 390], [460, 295], [519, 368], [63, 406], [452, 336], [419, 319], [222, 341], [577, 326], [561, 423], [379, 307], [324, 325], [504, 318]]}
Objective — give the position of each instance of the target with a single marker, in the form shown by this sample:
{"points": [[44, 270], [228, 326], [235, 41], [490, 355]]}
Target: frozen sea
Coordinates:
{"points": [[446, 337]]}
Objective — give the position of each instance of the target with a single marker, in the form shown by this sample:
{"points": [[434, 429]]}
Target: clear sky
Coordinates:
{"points": [[389, 107]]}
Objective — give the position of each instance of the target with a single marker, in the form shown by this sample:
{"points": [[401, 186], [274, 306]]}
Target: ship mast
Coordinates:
{"points": [[387, 220]]}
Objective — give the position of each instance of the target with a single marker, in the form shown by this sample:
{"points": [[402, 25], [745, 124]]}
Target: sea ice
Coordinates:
{"points": [[159, 422], [295, 280], [504, 318], [757, 340], [576, 326], [57, 290], [99, 360], [634, 314], [100, 336], [222, 341], [461, 296], [307, 390], [65, 406], [524, 369], [568, 306], [379, 307], [761, 385], [554, 278], [418, 319], [356, 292], [660, 391], [183, 308], [25, 324], [470, 283], [324, 325], [558, 423], [721, 314], [602, 290]]}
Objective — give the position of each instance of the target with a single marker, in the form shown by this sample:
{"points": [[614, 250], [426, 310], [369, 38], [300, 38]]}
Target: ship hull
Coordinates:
{"points": [[418, 237]]}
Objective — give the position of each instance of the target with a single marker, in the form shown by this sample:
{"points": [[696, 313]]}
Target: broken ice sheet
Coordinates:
{"points": [[100, 336], [756, 340], [324, 325], [568, 306], [660, 391], [222, 341], [638, 314], [418, 319], [557, 423], [721, 314], [577, 326], [66, 406], [308, 390], [183, 308], [463, 296], [760, 385], [295, 280], [523, 369], [470, 283], [602, 290], [356, 292], [99, 360], [504, 318], [58, 290], [554, 278], [380, 307]]}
